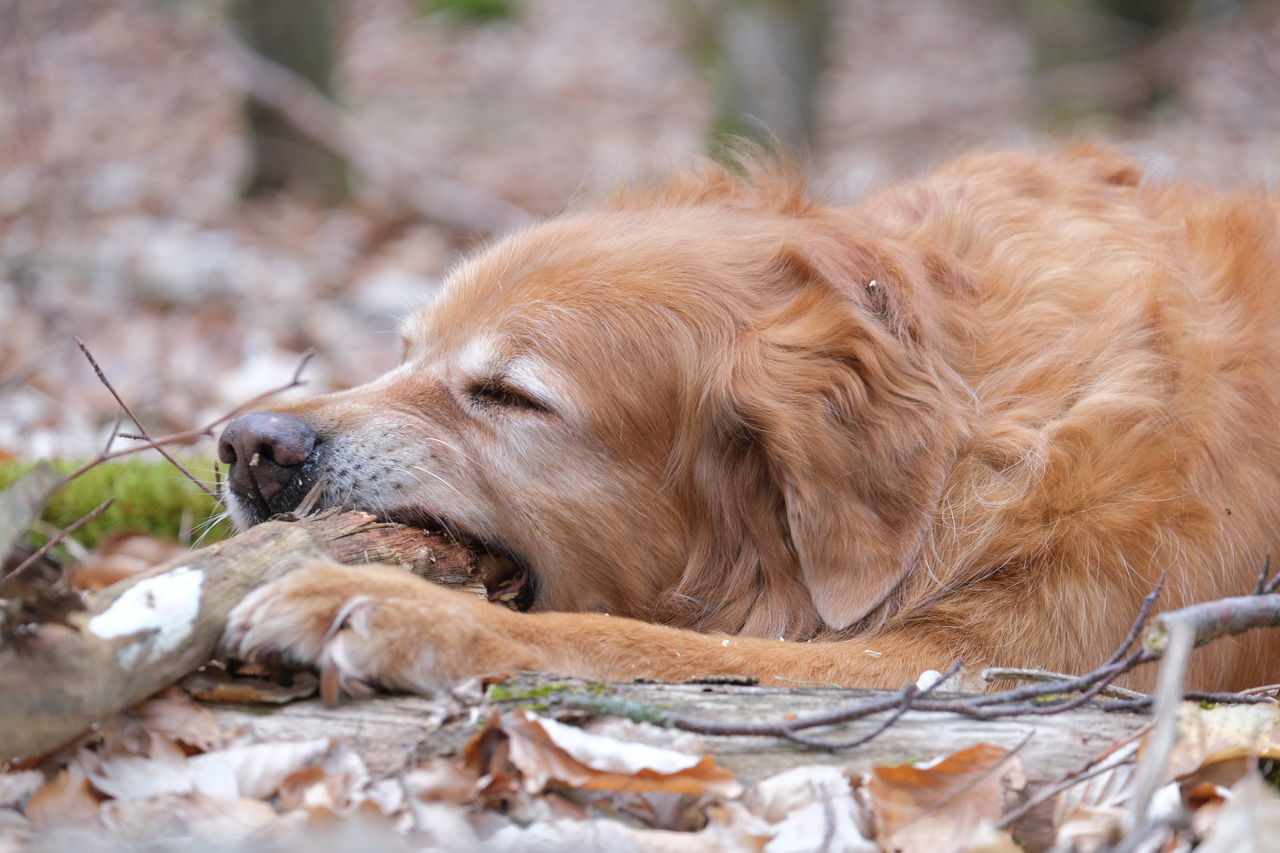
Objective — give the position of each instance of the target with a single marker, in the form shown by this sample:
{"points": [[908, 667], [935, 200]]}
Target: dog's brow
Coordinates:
{"points": [[479, 358], [532, 376]]}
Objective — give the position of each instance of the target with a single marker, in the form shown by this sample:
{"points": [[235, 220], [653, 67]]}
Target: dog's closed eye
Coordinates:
{"points": [[496, 393]]}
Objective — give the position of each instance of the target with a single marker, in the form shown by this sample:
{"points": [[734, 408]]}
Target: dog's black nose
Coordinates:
{"points": [[265, 450]]}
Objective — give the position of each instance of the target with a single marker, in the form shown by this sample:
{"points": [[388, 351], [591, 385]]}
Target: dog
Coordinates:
{"points": [[723, 428]]}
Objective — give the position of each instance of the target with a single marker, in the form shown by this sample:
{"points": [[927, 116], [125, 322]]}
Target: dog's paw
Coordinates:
{"points": [[358, 625]]}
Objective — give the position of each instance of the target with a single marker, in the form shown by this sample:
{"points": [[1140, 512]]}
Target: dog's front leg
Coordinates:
{"points": [[383, 625], [375, 624]]}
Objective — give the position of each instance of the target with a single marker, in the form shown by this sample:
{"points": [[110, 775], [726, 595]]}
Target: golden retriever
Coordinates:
{"points": [[727, 429]]}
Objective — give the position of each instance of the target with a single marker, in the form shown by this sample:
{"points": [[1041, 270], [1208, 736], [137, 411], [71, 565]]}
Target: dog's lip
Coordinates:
{"points": [[507, 575]]}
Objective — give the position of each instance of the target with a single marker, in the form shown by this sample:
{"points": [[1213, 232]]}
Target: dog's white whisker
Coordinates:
{"points": [[433, 475]]}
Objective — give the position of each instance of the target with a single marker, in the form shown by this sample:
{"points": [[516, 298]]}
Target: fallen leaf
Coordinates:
{"points": [[164, 769], [735, 827], [597, 834], [260, 769], [811, 808], [988, 839], [440, 780], [940, 807], [1088, 815], [16, 787], [217, 685], [223, 775], [121, 557], [1249, 822], [170, 815], [69, 798], [1221, 733], [15, 831], [545, 750], [176, 715], [330, 785]]}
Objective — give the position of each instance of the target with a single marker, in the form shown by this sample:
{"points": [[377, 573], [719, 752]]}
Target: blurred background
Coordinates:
{"points": [[204, 189]]}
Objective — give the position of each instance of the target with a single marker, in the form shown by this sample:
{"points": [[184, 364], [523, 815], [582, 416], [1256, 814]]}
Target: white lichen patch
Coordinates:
{"points": [[162, 610]]}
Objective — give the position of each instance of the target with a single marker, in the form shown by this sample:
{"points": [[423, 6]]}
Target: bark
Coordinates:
{"points": [[145, 633]]}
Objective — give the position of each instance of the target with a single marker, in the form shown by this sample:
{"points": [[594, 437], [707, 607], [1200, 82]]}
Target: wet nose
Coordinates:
{"points": [[265, 451]]}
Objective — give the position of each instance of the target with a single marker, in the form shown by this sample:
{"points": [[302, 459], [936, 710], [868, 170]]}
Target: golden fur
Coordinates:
{"points": [[974, 417]]}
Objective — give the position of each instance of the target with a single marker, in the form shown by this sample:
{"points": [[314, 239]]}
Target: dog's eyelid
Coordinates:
{"points": [[497, 391]]}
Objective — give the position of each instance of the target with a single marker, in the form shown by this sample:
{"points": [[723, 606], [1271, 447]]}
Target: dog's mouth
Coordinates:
{"points": [[508, 578]]}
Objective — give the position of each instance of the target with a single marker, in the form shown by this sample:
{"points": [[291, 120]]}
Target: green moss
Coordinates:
{"points": [[152, 497], [475, 11], [504, 693]]}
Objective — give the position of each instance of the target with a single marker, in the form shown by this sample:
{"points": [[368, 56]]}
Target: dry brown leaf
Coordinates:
{"points": [[16, 787], [121, 734], [1249, 822], [162, 770], [988, 839], [259, 769], [177, 716], [545, 750], [940, 807], [217, 685], [122, 557], [1223, 732], [1088, 815], [735, 827], [812, 808], [664, 841], [441, 779], [224, 775], [195, 815], [327, 787], [15, 831], [596, 834], [67, 799]]}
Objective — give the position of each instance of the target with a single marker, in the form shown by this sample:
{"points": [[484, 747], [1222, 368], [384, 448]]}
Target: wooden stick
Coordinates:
{"points": [[146, 632]]}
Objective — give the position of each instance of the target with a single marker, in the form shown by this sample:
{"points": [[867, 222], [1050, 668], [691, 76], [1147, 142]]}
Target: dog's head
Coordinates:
{"points": [[712, 404]]}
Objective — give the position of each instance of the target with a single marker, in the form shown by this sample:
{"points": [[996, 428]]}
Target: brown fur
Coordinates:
{"points": [[976, 417]]}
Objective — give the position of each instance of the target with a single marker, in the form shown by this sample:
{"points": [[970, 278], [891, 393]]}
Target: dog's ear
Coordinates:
{"points": [[852, 416]]}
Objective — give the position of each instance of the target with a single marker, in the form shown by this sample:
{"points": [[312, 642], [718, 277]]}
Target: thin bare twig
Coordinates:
{"points": [[908, 695], [189, 435], [55, 540], [1124, 752], [1274, 583], [1181, 640], [112, 435], [308, 503], [1206, 621], [996, 673], [1144, 613], [1260, 588], [102, 377]]}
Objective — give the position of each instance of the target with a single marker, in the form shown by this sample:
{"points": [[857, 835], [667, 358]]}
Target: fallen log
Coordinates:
{"points": [[144, 633], [394, 734]]}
